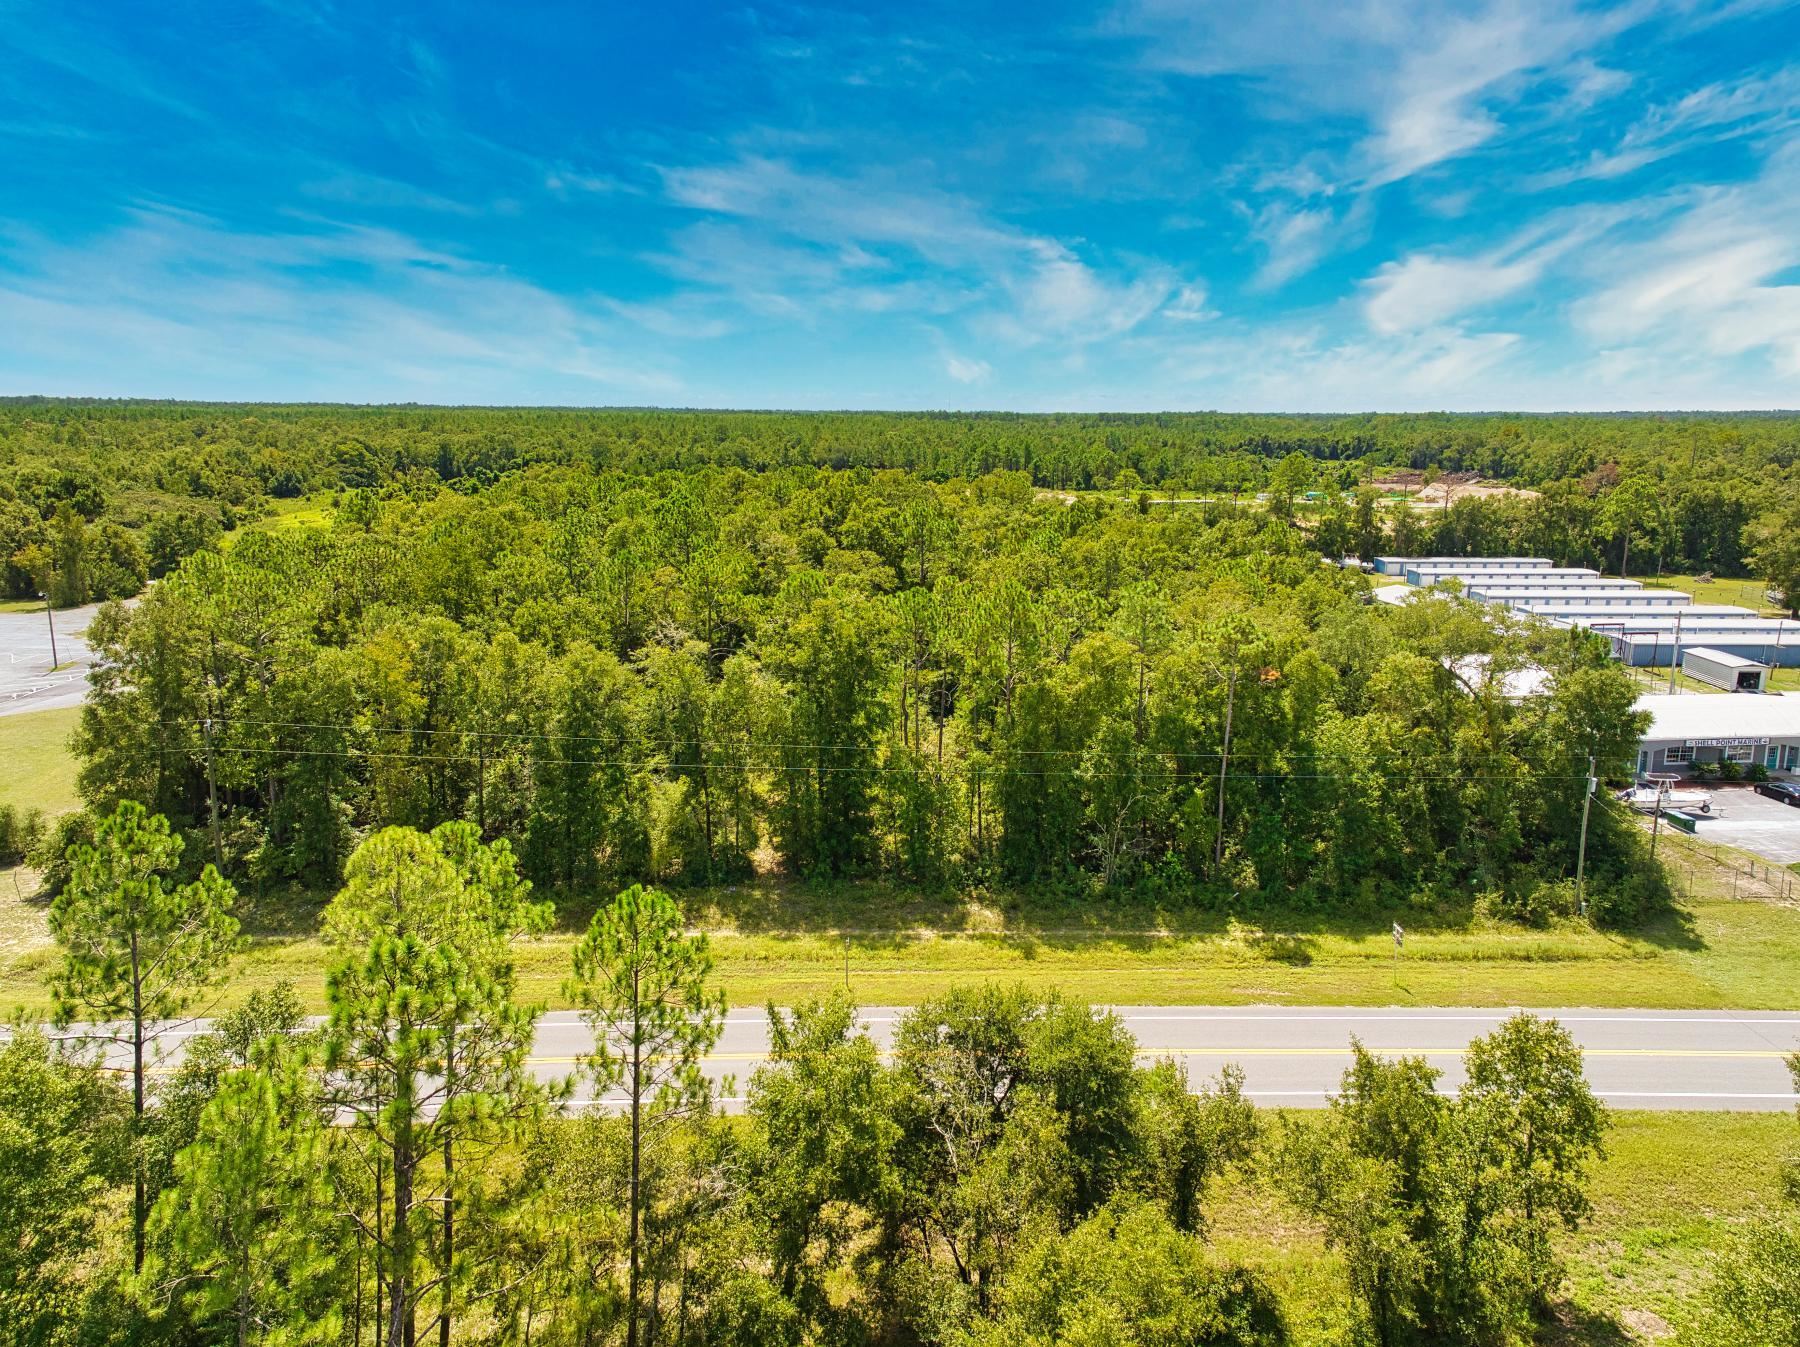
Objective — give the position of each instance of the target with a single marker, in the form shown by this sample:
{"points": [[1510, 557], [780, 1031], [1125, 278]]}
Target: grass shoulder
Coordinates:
{"points": [[778, 940]]}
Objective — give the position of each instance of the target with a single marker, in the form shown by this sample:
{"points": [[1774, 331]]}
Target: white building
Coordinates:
{"points": [[1690, 727]]}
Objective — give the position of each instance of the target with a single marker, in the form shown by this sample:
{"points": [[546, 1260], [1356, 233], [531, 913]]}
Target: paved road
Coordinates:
{"points": [[27, 682], [1293, 1057]]}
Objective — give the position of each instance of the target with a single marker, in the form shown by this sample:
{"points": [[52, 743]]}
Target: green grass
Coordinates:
{"points": [[292, 513], [39, 770], [774, 941], [1744, 593], [1670, 1190], [1657, 680]]}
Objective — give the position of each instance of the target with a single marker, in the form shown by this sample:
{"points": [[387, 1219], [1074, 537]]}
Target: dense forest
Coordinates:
{"points": [[687, 675], [95, 496], [683, 646]]}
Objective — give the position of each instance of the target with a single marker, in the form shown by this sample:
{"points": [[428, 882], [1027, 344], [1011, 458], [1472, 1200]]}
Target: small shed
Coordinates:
{"points": [[1722, 669]]}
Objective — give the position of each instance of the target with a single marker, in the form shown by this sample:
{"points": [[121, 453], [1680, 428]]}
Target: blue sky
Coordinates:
{"points": [[1141, 205]]}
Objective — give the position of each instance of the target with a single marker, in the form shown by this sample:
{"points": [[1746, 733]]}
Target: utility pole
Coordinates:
{"points": [[1675, 654], [1662, 792], [1587, 800], [50, 618], [212, 794], [1224, 761]]}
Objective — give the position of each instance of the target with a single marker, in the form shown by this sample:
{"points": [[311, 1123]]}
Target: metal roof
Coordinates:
{"points": [[1714, 715], [1724, 657]]}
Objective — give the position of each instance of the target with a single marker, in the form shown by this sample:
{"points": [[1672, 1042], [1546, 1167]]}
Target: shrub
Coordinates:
{"points": [[1530, 902], [20, 831], [50, 856]]}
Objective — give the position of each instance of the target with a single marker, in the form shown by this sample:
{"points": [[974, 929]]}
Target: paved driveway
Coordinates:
{"points": [[1742, 818]]}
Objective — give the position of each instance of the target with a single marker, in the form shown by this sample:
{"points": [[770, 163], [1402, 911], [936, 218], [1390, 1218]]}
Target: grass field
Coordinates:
{"points": [[1657, 680], [1671, 1189], [297, 512], [37, 771], [1744, 593], [784, 942]]}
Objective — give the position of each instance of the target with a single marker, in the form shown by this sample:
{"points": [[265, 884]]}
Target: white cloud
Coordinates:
{"points": [[1425, 80], [1188, 305], [1711, 280], [798, 241], [1423, 290], [965, 370], [195, 309], [1304, 369], [1294, 240], [1765, 105]]}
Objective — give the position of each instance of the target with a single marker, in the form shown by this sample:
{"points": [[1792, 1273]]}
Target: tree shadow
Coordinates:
{"points": [[1569, 1325]]}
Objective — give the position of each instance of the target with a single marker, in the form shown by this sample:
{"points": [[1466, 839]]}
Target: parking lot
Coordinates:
{"points": [[27, 682], [1742, 818]]}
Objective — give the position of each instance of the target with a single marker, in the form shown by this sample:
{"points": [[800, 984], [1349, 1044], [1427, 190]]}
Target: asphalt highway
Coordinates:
{"points": [[1293, 1057]]}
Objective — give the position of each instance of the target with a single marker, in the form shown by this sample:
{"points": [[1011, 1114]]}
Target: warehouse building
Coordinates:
{"points": [[1600, 593], [1648, 628], [1396, 566], [1695, 615], [1429, 573], [1774, 643], [1690, 728]]}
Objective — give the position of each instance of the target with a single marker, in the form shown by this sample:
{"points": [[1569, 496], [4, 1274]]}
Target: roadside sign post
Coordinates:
{"points": [[1399, 940]]}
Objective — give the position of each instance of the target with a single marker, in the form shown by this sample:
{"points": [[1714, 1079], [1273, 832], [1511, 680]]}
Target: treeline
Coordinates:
{"points": [[687, 676], [1007, 1171], [169, 476]]}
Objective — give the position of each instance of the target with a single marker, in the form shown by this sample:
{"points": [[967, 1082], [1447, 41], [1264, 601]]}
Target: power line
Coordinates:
{"points": [[963, 768], [532, 736]]}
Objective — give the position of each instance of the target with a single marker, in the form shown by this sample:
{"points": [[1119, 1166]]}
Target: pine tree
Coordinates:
{"points": [[135, 949], [642, 984]]}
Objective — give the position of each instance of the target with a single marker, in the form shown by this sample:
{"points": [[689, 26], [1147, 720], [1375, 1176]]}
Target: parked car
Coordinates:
{"points": [[1785, 791]]}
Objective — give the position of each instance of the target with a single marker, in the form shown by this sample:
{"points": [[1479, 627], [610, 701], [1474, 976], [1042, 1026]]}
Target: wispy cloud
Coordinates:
{"points": [[1713, 278], [795, 239], [966, 370], [198, 310], [1766, 105], [1425, 289]]}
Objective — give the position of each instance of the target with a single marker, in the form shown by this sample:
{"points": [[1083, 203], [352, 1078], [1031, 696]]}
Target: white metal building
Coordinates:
{"points": [[1599, 593], [1723, 670], [1429, 573], [1690, 727], [1654, 616], [1775, 643], [1398, 565]]}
